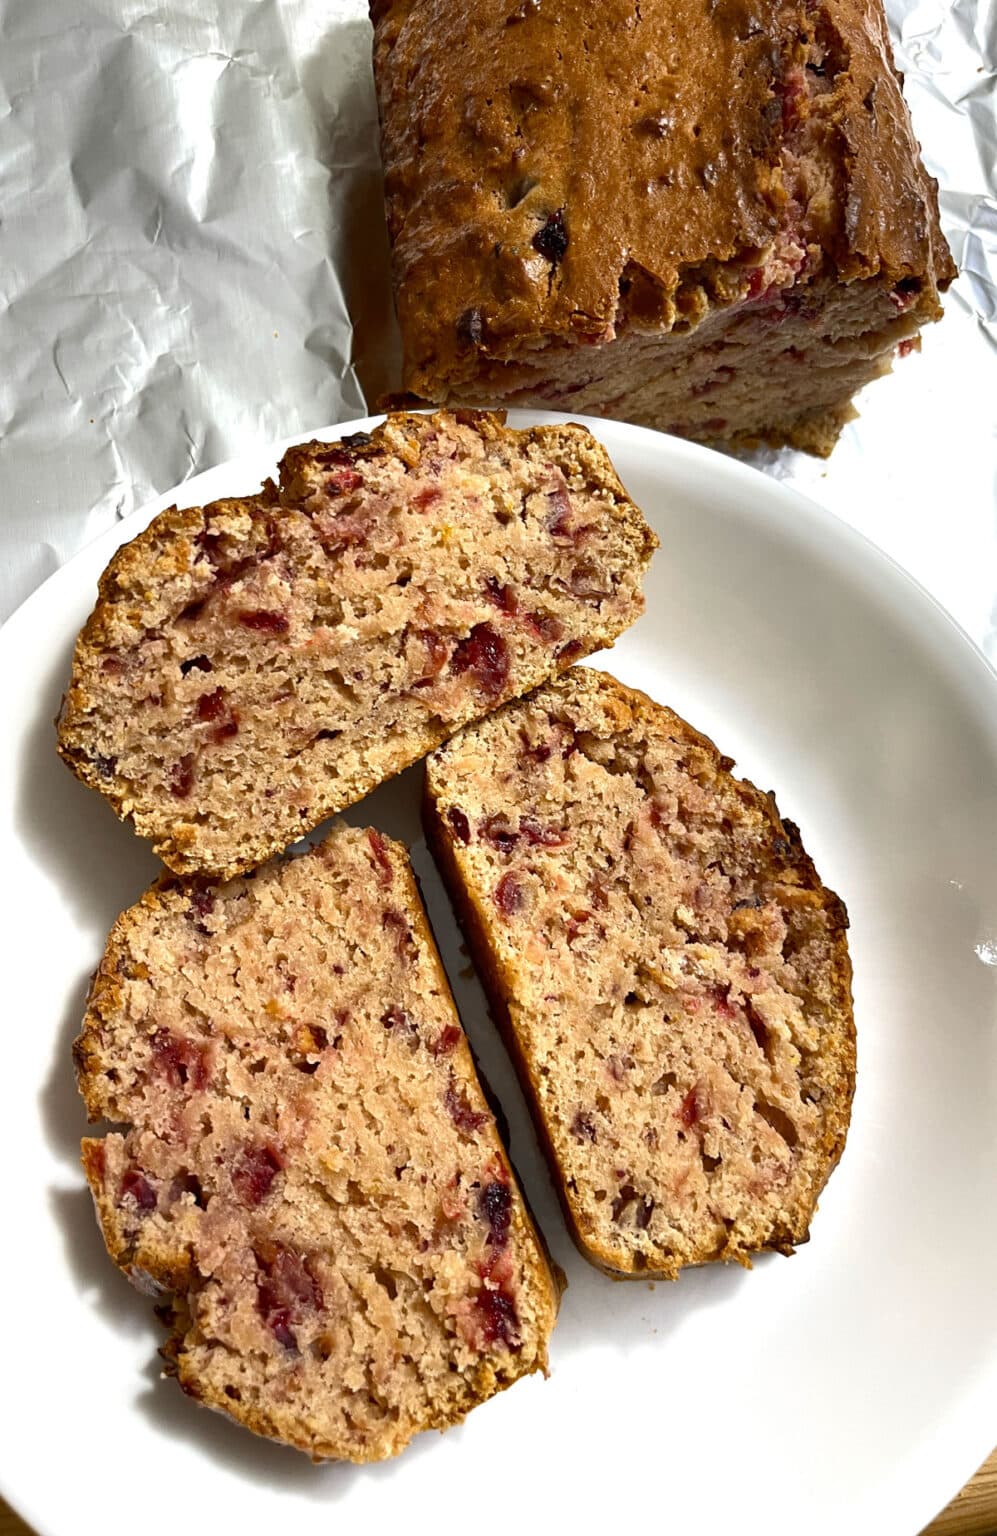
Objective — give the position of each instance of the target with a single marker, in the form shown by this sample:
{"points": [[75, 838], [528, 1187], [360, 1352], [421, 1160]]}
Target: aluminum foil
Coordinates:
{"points": [[193, 261]]}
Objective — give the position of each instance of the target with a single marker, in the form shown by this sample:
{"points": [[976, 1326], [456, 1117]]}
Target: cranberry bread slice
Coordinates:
{"points": [[253, 666], [673, 977], [304, 1160]]}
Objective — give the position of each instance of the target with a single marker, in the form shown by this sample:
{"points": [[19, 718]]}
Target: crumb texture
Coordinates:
{"points": [[254, 666], [302, 1162], [711, 219], [673, 976]]}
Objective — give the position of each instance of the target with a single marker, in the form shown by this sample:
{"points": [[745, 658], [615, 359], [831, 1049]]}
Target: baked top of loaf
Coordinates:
{"points": [[565, 170], [672, 975], [303, 1157], [255, 665]]}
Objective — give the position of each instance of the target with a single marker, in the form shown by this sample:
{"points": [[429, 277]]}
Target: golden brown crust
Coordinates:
{"points": [[168, 1269], [801, 885]]}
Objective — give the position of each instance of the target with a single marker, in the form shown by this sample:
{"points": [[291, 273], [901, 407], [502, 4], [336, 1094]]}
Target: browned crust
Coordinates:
{"points": [[149, 580], [797, 870], [166, 1274], [495, 116]]}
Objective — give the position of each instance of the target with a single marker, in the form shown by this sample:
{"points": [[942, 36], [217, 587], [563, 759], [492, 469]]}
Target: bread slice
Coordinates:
{"points": [[253, 666], [303, 1159], [673, 977]]}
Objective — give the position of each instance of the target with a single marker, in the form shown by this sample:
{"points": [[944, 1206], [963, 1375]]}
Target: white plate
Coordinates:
{"points": [[854, 1386]]}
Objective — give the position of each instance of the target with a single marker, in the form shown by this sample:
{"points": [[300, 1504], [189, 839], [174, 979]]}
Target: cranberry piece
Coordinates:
{"points": [[497, 831], [459, 1109], [202, 902], [446, 1041], [583, 1127], [181, 1061], [495, 1206], [285, 1291], [229, 727], [426, 497], [509, 895], [195, 664], [568, 652], [551, 239], [587, 581], [211, 705], [113, 666], [559, 514], [265, 620], [498, 1319], [545, 626], [138, 1187], [459, 824], [182, 776], [504, 597], [484, 654], [906, 347], [542, 837], [397, 1020], [693, 1106], [278, 1320], [541, 753], [720, 996], [715, 424], [342, 481], [382, 863], [255, 1171], [394, 920]]}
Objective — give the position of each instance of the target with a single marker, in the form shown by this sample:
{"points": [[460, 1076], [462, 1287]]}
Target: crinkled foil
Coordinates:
{"points": [[193, 261]]}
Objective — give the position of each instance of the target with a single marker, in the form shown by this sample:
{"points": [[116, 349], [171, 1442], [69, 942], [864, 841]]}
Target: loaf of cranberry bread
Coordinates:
{"points": [[706, 218], [302, 1159], [253, 666], [672, 976]]}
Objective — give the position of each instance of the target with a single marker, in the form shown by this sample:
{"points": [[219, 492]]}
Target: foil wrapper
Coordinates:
{"points": [[193, 262]]}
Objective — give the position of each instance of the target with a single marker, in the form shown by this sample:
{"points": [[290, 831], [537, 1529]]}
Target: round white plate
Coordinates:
{"points": [[851, 1387]]}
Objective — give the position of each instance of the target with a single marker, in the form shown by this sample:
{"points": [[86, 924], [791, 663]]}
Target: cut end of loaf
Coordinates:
{"points": [[672, 976], [303, 1166], [254, 666]]}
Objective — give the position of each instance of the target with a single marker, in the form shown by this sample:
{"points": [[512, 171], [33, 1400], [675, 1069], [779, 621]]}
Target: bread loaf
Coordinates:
{"points": [[710, 219]]}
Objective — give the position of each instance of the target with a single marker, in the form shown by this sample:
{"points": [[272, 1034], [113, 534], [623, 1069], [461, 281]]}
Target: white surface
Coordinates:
{"points": [[852, 1387]]}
